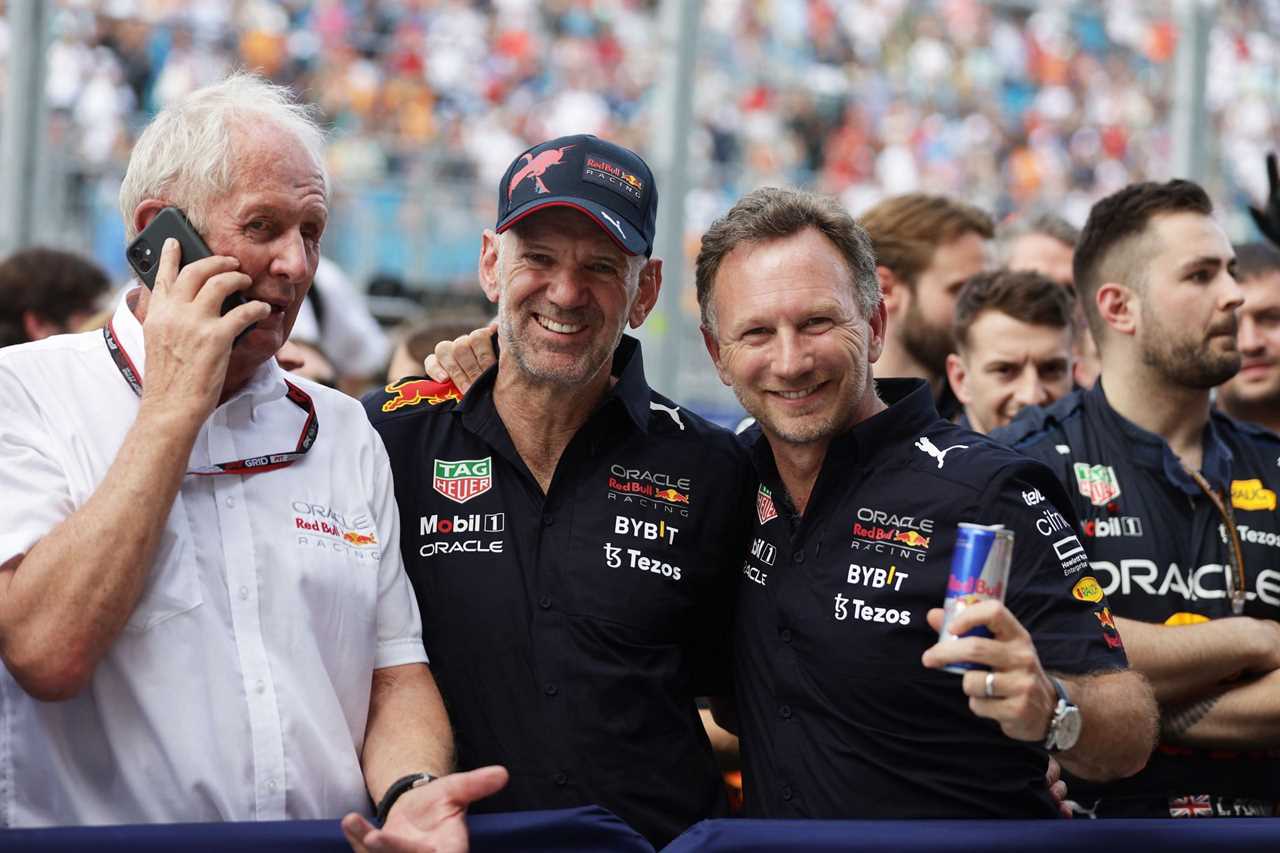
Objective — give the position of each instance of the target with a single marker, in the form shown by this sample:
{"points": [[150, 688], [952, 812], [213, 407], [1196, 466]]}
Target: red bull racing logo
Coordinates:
{"points": [[911, 539], [411, 392], [654, 487], [1108, 624]]}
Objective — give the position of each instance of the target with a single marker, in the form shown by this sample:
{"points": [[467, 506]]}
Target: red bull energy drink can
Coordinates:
{"points": [[979, 571]]}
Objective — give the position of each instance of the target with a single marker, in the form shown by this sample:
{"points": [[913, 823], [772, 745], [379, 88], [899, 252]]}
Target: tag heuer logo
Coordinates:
{"points": [[462, 480], [1098, 483], [765, 510]]}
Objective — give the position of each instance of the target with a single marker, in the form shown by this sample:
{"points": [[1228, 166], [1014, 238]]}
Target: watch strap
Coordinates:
{"points": [[398, 789], [1059, 711]]}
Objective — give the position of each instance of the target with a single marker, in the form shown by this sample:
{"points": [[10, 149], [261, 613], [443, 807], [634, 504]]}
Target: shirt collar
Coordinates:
{"points": [[631, 391], [265, 385], [1151, 451]]}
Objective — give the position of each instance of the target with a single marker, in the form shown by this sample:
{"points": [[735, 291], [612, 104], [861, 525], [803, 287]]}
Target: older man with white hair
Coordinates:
{"points": [[203, 612]]}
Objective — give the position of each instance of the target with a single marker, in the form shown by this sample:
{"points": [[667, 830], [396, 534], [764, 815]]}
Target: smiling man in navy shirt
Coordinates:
{"points": [[572, 536], [841, 704]]}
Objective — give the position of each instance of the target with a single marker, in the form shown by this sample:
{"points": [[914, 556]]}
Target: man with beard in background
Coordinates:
{"points": [[1177, 501], [1253, 394], [927, 247]]}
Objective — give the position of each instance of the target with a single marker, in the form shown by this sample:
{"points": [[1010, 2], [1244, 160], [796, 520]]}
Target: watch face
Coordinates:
{"points": [[1068, 728]]}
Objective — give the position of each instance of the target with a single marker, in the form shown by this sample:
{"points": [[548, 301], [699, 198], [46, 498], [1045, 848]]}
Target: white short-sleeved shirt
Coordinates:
{"points": [[239, 689]]}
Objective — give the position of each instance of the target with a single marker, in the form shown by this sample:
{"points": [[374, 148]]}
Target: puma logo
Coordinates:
{"points": [[932, 449], [655, 406], [615, 223]]}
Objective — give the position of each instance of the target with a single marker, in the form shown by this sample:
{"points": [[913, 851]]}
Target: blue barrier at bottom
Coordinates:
{"points": [[594, 829], [583, 829], [1042, 836]]}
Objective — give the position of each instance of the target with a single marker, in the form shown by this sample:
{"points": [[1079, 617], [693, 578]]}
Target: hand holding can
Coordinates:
{"points": [[979, 572]]}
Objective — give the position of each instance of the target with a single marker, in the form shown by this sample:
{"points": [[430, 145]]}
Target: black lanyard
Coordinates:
{"points": [[252, 465], [1236, 583]]}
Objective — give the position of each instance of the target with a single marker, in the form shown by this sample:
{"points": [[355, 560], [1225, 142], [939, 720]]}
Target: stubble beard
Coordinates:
{"points": [[1189, 364], [926, 344]]}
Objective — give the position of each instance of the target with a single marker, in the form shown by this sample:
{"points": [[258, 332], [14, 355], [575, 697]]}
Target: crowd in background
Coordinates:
{"points": [[1012, 105]]}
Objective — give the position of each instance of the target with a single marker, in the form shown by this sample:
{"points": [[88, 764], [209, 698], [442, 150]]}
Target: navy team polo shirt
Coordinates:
{"points": [[1158, 547], [839, 719], [571, 633]]}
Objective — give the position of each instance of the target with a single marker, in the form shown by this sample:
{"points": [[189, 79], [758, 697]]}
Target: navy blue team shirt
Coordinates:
{"points": [[570, 633], [839, 718], [1157, 545]]}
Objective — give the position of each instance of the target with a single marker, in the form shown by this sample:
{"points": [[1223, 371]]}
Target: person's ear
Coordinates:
{"points": [[490, 244], [1119, 307], [647, 294]]}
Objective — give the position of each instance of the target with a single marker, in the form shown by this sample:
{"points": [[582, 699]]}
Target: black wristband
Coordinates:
{"points": [[398, 787]]}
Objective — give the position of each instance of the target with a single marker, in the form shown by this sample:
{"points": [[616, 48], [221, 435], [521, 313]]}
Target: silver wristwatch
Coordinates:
{"points": [[1064, 728]]}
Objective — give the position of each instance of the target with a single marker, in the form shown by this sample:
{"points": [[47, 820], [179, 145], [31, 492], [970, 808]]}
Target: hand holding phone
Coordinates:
{"points": [[143, 253]]}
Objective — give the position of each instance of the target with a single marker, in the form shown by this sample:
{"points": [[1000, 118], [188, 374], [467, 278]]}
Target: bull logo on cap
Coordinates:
{"points": [[536, 168]]}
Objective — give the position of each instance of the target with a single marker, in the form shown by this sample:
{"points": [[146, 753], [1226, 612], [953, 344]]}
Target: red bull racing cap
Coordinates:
{"points": [[607, 182]]}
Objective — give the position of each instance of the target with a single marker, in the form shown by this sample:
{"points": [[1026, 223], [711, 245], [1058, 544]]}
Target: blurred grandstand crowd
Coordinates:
{"points": [[1012, 105]]}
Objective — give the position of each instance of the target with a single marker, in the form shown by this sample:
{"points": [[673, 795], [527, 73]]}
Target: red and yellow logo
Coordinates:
{"points": [[1087, 589], [911, 538], [671, 496], [411, 392]]}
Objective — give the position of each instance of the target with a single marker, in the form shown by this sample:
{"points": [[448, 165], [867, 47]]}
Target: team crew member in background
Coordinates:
{"points": [[1253, 394], [862, 486], [1178, 502], [927, 246], [573, 537], [225, 640], [1046, 244], [1013, 336], [1043, 243], [47, 292]]}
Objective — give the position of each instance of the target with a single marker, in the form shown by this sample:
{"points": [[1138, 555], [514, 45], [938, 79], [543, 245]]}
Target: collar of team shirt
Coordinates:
{"points": [[265, 385]]}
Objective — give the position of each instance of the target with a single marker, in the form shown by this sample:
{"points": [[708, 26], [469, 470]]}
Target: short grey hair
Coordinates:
{"points": [[187, 154], [1046, 223], [771, 213]]}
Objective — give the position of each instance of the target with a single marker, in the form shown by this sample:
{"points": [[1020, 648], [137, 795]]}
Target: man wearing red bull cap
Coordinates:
{"points": [[573, 536], [200, 616]]}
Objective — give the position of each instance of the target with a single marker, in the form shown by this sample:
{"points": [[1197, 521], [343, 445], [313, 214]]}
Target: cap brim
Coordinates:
{"points": [[618, 227]]}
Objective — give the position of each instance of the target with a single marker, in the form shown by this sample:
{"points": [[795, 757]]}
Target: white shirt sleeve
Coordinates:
{"points": [[34, 491], [399, 625]]}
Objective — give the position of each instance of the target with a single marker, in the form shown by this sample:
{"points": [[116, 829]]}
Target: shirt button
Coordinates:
{"points": [[551, 690], [271, 785], [785, 712], [244, 593], [560, 779], [548, 520], [786, 635], [798, 556], [230, 501], [545, 602], [261, 686], [786, 793]]}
